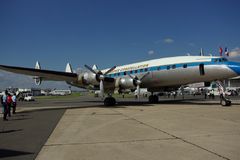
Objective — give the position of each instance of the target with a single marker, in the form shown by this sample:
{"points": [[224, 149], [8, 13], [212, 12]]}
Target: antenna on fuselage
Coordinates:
{"points": [[201, 54]]}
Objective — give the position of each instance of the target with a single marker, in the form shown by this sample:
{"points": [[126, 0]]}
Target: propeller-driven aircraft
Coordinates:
{"points": [[157, 75]]}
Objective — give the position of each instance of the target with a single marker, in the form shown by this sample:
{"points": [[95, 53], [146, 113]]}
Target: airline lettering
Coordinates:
{"points": [[130, 68]]}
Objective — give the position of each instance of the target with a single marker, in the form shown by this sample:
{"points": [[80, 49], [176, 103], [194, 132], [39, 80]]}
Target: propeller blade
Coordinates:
{"points": [[138, 92], [144, 76], [101, 89], [129, 75], [90, 69], [110, 70]]}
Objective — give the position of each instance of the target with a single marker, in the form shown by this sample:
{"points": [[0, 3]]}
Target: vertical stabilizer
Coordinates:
{"points": [[38, 80], [68, 68], [94, 67], [38, 65]]}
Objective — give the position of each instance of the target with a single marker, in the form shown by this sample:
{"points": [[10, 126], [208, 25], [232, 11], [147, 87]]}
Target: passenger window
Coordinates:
{"points": [[174, 66], [131, 72], [141, 70], [185, 66], [135, 71], [146, 70], [159, 68], [216, 60], [168, 67], [114, 74], [118, 74]]}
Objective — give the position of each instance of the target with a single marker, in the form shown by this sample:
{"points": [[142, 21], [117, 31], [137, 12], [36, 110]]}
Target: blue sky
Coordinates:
{"points": [[111, 32]]}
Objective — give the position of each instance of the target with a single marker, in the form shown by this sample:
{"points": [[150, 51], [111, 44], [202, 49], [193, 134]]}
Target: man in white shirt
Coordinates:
{"points": [[14, 103]]}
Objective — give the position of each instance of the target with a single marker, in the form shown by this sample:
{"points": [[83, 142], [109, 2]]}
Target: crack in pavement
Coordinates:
{"points": [[132, 141], [174, 137]]}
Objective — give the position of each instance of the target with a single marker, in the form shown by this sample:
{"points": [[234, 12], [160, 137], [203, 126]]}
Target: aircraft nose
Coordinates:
{"points": [[235, 67]]}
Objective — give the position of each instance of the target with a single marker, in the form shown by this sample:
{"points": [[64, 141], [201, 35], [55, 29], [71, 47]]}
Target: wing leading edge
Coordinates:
{"points": [[44, 74]]}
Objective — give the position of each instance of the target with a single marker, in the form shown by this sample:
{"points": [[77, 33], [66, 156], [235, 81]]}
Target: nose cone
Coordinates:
{"points": [[235, 67]]}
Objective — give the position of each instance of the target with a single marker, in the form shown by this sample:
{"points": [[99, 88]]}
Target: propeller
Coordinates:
{"points": [[101, 77], [138, 82]]}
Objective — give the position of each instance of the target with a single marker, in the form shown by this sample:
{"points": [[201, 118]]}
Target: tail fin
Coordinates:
{"points": [[38, 80], [38, 65], [68, 68]]}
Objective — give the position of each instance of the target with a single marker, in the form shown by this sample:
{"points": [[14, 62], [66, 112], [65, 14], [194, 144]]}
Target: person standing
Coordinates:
{"points": [[14, 103], [5, 105], [9, 103], [2, 104], [136, 95], [174, 94], [212, 93]]}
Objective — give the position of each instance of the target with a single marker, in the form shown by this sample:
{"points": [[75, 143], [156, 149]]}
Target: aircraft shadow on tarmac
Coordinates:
{"points": [[11, 131], [121, 103], [12, 153]]}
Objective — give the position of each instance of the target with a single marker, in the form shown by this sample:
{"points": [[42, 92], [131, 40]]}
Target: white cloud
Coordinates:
{"points": [[150, 52], [234, 53], [80, 70], [157, 41], [167, 41], [191, 44]]}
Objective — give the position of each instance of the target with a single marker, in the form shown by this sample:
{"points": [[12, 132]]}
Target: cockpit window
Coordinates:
{"points": [[220, 60], [224, 59]]}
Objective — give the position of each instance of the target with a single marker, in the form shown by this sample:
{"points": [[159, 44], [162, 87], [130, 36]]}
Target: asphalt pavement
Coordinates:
{"points": [[83, 128]]}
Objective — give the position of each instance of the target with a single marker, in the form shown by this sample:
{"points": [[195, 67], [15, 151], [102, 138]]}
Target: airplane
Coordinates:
{"points": [[157, 75]]}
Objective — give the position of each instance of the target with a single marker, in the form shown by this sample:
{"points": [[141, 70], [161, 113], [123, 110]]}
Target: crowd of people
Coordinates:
{"points": [[8, 102]]}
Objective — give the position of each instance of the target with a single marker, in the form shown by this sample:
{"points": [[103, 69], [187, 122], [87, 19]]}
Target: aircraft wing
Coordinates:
{"points": [[44, 74]]}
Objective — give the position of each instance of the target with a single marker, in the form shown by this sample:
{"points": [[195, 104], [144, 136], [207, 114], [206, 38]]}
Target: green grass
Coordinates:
{"points": [[75, 94]]}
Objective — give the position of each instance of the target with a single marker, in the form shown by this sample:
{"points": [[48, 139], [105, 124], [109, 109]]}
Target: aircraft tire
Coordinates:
{"points": [[225, 102], [109, 101], [153, 99], [229, 103]]}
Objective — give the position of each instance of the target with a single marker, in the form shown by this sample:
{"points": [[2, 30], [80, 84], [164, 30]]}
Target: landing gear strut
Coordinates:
{"points": [[224, 100]]}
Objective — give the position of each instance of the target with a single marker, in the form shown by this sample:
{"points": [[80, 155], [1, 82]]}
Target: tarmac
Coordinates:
{"points": [[83, 128]]}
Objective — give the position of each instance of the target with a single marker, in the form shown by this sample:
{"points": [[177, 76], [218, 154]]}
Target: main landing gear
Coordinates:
{"points": [[225, 102], [109, 101], [153, 99]]}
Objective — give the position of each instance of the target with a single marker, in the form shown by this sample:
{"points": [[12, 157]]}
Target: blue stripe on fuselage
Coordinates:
{"points": [[232, 65], [235, 67]]}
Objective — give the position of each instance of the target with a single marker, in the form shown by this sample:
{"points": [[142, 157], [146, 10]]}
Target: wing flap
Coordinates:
{"points": [[44, 74]]}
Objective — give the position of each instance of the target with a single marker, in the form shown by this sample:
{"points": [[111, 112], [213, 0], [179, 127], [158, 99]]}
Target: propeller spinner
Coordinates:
{"points": [[138, 82], [101, 77]]}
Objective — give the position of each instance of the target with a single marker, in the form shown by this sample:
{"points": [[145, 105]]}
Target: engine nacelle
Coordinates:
{"points": [[125, 83], [90, 78], [38, 81]]}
